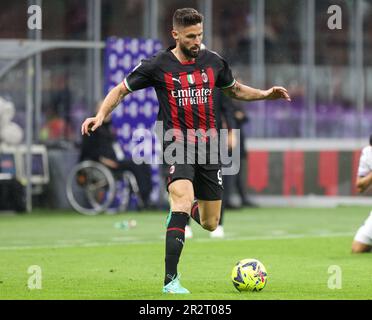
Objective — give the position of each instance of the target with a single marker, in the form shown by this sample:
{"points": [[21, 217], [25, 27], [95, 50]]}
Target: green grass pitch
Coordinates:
{"points": [[88, 258]]}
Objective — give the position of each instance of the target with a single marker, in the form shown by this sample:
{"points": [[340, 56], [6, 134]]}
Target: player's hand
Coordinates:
{"points": [[277, 93], [91, 124]]}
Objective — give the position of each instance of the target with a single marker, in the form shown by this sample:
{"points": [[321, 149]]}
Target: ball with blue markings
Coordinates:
{"points": [[249, 275]]}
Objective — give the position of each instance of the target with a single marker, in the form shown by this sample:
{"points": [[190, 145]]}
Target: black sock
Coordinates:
{"points": [[195, 212], [174, 241]]}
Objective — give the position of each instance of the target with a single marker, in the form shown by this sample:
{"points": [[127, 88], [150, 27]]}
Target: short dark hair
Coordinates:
{"points": [[187, 17]]}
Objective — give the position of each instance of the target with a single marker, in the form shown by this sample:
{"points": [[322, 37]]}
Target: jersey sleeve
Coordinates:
{"points": [[365, 163], [225, 78], [141, 76]]}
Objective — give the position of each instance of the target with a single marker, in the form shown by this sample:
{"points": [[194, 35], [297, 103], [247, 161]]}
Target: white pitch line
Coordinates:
{"points": [[284, 237], [133, 240]]}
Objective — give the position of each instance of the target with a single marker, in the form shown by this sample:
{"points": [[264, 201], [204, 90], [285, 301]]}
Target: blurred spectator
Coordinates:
{"points": [[245, 43], [240, 179], [76, 20], [55, 129], [61, 99], [102, 146]]}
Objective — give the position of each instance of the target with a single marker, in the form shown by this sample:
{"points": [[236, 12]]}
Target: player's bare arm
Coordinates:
{"points": [[363, 183], [112, 99], [242, 92]]}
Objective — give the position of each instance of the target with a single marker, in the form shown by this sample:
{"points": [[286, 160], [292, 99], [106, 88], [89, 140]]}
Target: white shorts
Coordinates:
{"points": [[364, 233]]}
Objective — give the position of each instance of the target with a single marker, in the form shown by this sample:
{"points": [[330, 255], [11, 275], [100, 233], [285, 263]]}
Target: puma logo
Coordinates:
{"points": [[180, 240], [177, 79]]}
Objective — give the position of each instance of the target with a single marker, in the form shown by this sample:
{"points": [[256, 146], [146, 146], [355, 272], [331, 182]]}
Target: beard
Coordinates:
{"points": [[193, 52]]}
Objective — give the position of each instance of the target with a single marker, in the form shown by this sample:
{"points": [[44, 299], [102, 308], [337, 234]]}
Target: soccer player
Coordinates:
{"points": [[184, 78], [363, 238]]}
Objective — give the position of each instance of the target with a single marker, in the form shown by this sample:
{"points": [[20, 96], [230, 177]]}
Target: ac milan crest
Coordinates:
{"points": [[204, 77]]}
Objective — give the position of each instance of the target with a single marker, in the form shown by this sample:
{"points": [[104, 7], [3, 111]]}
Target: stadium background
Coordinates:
{"points": [[307, 148]]}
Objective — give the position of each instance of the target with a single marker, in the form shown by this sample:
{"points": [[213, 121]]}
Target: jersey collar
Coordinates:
{"points": [[169, 50]]}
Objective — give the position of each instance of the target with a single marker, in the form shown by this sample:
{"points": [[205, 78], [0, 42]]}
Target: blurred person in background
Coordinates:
{"points": [[238, 181], [55, 129], [102, 146], [61, 101]]}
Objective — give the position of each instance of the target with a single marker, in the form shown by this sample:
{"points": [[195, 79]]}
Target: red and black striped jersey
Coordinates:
{"points": [[184, 90]]}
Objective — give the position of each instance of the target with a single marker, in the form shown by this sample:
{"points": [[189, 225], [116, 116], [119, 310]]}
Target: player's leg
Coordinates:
{"points": [[195, 216], [202, 212], [363, 239], [220, 232], [208, 190], [181, 197], [188, 230], [209, 212]]}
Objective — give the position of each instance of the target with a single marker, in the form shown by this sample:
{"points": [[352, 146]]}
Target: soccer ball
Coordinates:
{"points": [[249, 275]]}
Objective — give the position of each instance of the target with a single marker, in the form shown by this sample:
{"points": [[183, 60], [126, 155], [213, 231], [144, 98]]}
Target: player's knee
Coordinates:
{"points": [[210, 224], [182, 204]]}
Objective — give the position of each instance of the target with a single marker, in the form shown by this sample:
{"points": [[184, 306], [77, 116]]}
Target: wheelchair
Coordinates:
{"points": [[92, 188]]}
